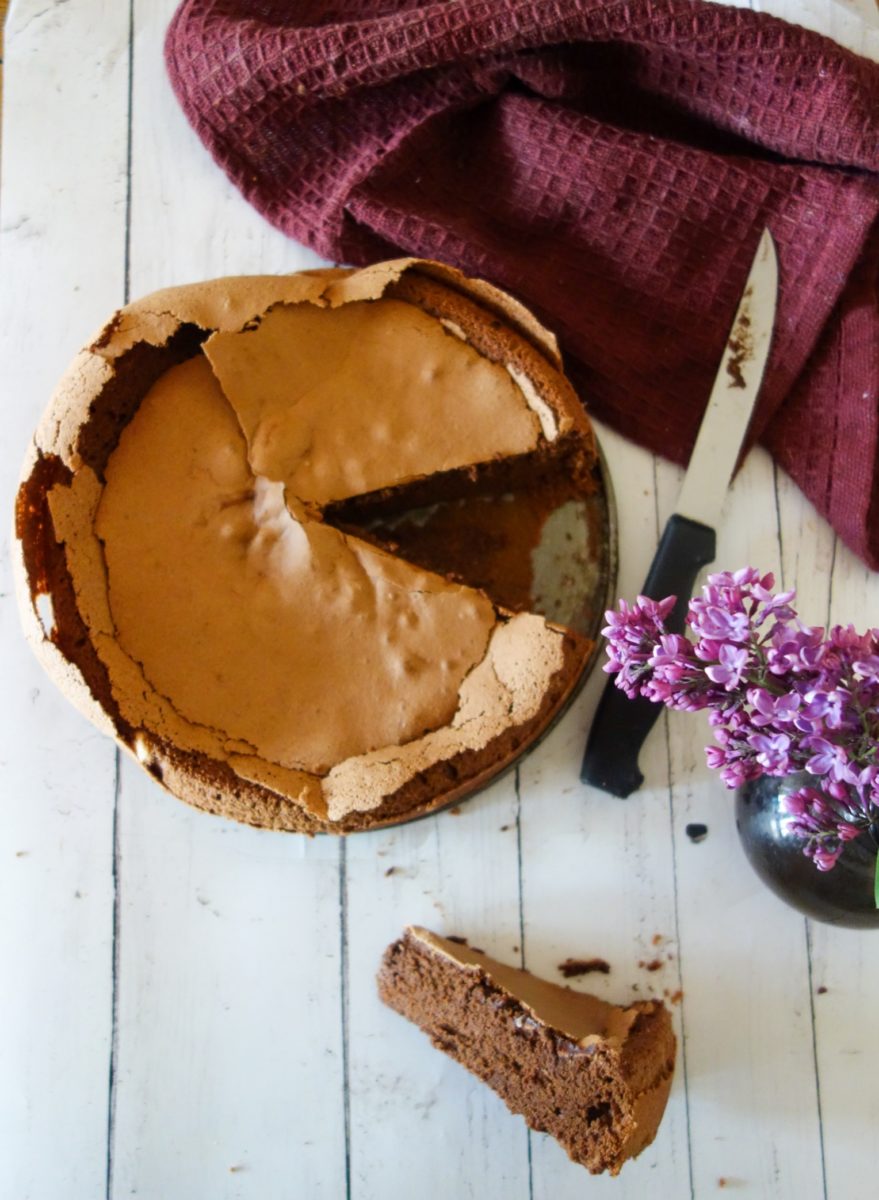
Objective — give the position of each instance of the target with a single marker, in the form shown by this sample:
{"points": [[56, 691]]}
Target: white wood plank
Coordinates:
{"points": [[229, 1061], [834, 586], [746, 1008], [841, 20], [414, 1113], [62, 238], [844, 963], [597, 870], [188, 221]]}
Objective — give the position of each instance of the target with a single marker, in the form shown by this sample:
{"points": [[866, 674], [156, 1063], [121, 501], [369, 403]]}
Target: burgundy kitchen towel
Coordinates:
{"points": [[611, 163]]}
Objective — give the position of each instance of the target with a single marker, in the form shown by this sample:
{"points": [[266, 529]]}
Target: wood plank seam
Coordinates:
{"points": [[343, 1006], [517, 784], [114, 997], [112, 1083]]}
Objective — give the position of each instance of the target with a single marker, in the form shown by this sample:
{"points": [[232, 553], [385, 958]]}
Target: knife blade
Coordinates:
{"points": [[688, 541]]}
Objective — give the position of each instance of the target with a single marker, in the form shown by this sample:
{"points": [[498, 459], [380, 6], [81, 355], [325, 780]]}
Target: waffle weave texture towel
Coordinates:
{"points": [[611, 163]]}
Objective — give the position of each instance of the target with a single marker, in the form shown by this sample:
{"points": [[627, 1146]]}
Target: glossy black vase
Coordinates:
{"points": [[842, 896]]}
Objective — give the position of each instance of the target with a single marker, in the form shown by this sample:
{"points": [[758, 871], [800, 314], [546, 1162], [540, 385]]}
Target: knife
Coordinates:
{"points": [[688, 540]]}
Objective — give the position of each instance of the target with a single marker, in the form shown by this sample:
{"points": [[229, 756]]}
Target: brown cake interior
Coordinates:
{"points": [[593, 1075]]}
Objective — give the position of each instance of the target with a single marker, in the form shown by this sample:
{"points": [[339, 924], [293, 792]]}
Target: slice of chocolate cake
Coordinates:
{"points": [[594, 1075]]}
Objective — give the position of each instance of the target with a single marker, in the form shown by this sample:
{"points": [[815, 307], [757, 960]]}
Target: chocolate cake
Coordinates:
{"points": [[199, 507], [593, 1075]]}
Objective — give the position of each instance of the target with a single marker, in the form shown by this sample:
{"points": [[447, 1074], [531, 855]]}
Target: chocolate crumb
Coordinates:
{"points": [[391, 871], [456, 812], [572, 967], [696, 831], [454, 937], [655, 964], [740, 345], [822, 990], [504, 828]]}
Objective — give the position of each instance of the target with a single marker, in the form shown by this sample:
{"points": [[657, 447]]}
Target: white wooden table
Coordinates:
{"points": [[187, 1007]]}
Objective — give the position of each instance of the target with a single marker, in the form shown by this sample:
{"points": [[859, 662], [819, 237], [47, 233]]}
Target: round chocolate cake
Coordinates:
{"points": [[203, 562]]}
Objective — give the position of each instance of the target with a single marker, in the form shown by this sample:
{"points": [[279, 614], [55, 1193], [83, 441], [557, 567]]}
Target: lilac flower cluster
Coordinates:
{"points": [[785, 697]]}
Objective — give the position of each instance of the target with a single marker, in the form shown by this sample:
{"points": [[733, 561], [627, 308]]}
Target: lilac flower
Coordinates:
{"points": [[772, 751], [672, 658], [861, 782], [730, 668], [770, 710], [708, 649], [821, 826], [778, 604], [781, 697], [716, 623], [827, 758], [814, 707], [631, 632], [795, 649]]}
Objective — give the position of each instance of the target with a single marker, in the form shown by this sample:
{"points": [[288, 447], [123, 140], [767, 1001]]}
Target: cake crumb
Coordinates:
{"points": [[456, 811], [676, 997], [654, 964], [822, 990], [456, 937], [22, 853], [391, 871], [657, 938], [505, 828], [573, 967], [235, 1168]]}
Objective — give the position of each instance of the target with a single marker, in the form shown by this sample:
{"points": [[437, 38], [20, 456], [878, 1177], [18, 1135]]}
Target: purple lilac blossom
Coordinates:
{"points": [[782, 696]]}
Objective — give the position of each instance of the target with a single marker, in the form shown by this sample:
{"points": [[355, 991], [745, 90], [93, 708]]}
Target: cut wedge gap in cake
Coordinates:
{"points": [[532, 542]]}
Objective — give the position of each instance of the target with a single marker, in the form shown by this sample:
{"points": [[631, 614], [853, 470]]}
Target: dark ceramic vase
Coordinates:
{"points": [[841, 896]]}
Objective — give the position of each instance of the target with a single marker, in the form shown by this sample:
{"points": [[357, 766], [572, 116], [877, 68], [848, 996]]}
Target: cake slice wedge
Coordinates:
{"points": [[594, 1075]]}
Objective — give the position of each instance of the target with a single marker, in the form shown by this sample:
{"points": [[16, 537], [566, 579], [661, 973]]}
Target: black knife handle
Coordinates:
{"points": [[621, 725]]}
